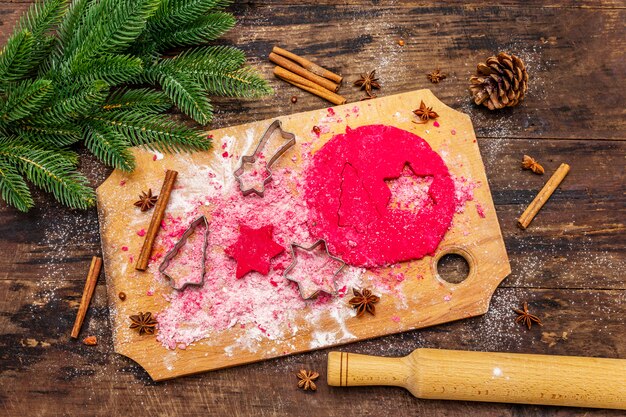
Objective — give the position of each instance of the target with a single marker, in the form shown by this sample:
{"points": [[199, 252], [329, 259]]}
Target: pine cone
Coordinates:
{"points": [[500, 82]]}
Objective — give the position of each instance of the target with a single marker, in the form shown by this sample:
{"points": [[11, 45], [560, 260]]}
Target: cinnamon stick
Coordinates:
{"points": [[314, 68], [297, 69], [309, 86], [543, 196], [90, 286], [157, 218]]}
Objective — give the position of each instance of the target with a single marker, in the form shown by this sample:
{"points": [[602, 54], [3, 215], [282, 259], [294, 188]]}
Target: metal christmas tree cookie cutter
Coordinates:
{"points": [[311, 249], [202, 220], [251, 159]]}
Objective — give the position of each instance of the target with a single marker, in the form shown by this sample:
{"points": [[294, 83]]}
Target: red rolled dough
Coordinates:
{"points": [[348, 197], [254, 250]]}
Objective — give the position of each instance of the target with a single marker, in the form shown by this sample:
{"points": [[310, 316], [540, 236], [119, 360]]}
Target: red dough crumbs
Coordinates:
{"points": [[254, 249], [358, 212], [357, 180], [258, 308]]}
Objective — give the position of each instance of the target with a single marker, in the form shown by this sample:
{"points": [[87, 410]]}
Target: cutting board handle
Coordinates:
{"points": [[488, 376]]}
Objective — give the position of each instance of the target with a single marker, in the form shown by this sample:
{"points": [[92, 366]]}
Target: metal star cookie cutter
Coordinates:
{"points": [[202, 220], [311, 249], [251, 159]]}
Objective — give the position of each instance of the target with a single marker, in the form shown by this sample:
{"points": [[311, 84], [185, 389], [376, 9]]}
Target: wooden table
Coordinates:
{"points": [[569, 265]]}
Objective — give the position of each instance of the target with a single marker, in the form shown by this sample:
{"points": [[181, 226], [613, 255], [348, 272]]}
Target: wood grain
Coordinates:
{"points": [[571, 57], [503, 377], [573, 70], [423, 302], [569, 266], [39, 363]]}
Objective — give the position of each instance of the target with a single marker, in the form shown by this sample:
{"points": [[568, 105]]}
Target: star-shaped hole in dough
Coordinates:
{"points": [[254, 250], [314, 269], [409, 192]]}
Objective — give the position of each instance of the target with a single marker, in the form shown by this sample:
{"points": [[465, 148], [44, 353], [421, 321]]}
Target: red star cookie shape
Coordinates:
{"points": [[254, 249]]}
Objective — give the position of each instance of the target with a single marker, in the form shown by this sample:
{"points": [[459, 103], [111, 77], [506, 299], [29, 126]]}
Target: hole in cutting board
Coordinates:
{"points": [[453, 268]]}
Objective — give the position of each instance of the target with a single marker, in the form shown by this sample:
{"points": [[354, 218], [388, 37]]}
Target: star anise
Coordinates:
{"points": [[144, 323], [530, 163], [526, 318], [367, 82], [306, 379], [425, 113], [363, 301], [146, 200], [436, 75]]}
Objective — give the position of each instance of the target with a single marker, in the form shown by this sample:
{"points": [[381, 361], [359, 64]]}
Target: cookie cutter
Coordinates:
{"points": [[202, 220], [311, 249], [251, 159]]}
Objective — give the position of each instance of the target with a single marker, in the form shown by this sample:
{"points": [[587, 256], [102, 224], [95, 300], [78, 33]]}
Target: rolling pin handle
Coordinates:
{"points": [[351, 369], [489, 376]]}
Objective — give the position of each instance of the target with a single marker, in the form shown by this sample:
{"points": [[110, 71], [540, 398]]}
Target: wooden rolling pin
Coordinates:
{"points": [[485, 376]]}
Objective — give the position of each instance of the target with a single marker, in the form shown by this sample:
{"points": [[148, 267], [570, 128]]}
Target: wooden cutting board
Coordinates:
{"points": [[427, 299]]}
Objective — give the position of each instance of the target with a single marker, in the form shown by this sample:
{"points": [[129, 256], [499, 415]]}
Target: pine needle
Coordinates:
{"points": [[70, 72]]}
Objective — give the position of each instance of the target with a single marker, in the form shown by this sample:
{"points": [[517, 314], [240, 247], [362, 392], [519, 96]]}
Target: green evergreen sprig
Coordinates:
{"points": [[76, 71]]}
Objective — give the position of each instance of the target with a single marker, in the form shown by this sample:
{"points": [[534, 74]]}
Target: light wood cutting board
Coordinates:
{"points": [[428, 299]]}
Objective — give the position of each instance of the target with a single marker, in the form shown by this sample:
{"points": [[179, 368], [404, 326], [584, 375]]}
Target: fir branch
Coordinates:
{"points": [[46, 170], [214, 58], [56, 136], [60, 78], [15, 58], [244, 82], [109, 146], [25, 98], [204, 29], [155, 132], [71, 103], [13, 188], [109, 26], [138, 99], [39, 20], [41, 16], [220, 71], [41, 52], [184, 91], [173, 13], [68, 27], [113, 69]]}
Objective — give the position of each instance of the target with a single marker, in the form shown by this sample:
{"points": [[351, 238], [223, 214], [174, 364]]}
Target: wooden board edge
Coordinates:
{"points": [[157, 376], [481, 306]]}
